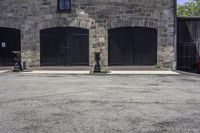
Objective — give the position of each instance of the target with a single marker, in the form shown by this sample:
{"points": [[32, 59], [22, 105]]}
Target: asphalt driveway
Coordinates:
{"points": [[42, 103]]}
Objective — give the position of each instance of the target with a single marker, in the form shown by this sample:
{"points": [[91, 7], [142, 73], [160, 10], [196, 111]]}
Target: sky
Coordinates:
{"points": [[181, 1]]}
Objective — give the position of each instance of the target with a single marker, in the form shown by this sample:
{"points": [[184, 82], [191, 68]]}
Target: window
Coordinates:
{"points": [[64, 5]]}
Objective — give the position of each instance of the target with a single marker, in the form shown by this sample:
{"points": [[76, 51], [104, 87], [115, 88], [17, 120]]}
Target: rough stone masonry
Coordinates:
{"points": [[31, 16]]}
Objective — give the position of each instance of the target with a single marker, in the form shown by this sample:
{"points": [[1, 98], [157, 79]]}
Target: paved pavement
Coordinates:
{"points": [[59, 103]]}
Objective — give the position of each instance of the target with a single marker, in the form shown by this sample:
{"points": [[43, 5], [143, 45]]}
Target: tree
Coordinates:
{"points": [[190, 8]]}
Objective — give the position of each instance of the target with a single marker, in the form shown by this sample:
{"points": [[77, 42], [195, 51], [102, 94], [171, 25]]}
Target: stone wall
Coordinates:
{"points": [[30, 16]]}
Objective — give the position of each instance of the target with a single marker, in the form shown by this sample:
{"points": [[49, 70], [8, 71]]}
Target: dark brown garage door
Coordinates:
{"points": [[9, 41], [64, 46], [132, 46]]}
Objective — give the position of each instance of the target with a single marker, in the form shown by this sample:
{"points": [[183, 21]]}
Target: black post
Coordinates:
{"points": [[97, 68], [24, 65], [17, 59]]}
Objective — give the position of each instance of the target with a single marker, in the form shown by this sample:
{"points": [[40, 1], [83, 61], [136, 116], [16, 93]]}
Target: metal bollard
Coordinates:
{"points": [[17, 65], [24, 65], [97, 68]]}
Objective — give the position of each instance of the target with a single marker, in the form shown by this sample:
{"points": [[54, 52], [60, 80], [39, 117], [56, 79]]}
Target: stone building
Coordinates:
{"points": [[70, 32]]}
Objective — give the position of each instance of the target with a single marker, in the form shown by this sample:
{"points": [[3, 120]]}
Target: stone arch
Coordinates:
{"points": [[11, 25], [52, 23], [65, 23], [133, 23]]}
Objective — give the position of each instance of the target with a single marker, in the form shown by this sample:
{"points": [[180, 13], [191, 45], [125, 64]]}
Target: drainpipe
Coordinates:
{"points": [[175, 35]]}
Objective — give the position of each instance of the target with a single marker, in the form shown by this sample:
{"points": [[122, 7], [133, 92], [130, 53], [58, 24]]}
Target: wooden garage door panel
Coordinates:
{"points": [[11, 38], [132, 46], [120, 47], [67, 46], [145, 49]]}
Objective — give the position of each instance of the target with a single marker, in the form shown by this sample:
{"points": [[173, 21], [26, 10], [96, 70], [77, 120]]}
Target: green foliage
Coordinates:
{"points": [[157, 65], [190, 8]]}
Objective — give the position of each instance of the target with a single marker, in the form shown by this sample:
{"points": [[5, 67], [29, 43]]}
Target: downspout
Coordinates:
{"points": [[175, 35]]}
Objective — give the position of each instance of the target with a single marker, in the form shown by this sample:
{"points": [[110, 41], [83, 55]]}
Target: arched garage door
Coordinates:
{"points": [[132, 46], [9, 42], [67, 46]]}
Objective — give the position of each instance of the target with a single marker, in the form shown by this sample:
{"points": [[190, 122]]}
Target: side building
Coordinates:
{"points": [[70, 32]]}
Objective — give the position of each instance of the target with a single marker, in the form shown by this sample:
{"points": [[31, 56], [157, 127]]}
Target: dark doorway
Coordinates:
{"points": [[64, 46], [9, 41], [188, 43], [132, 46]]}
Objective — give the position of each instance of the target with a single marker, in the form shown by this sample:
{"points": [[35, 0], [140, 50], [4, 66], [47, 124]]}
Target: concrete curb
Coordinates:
{"points": [[187, 73], [57, 72], [144, 73], [111, 72], [4, 71]]}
